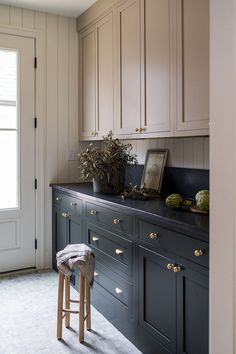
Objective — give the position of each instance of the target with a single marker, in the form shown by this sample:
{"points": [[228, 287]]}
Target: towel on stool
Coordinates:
{"points": [[77, 256]]}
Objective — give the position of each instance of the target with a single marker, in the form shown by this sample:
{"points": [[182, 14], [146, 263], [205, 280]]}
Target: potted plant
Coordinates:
{"points": [[107, 166]]}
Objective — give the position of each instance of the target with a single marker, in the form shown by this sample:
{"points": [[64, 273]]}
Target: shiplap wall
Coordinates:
{"points": [[61, 93]]}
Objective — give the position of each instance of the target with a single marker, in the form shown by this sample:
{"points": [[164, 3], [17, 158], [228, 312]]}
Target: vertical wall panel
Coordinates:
{"points": [[40, 21], [28, 18], [4, 14], [16, 16]]}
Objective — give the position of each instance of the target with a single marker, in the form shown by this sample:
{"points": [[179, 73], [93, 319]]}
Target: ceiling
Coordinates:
{"points": [[71, 8]]}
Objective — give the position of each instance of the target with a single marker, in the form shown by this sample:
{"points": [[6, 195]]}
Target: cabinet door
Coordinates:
{"points": [[157, 298], [74, 231], [193, 66], [104, 76], [87, 76], [192, 312], [157, 66], [128, 68], [59, 230]]}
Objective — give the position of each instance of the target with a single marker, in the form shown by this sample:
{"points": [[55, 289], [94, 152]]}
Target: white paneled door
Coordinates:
{"points": [[17, 153]]}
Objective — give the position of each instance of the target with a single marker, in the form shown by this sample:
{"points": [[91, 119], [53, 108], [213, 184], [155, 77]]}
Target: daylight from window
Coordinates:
{"points": [[8, 130]]}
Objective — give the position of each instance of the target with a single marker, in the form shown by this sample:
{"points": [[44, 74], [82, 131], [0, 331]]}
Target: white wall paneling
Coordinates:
{"points": [[60, 112]]}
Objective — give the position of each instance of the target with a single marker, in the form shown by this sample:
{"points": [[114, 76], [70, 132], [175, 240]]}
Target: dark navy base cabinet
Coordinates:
{"points": [[149, 280]]}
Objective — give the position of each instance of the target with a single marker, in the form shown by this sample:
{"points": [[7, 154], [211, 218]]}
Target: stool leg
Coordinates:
{"points": [[60, 304], [81, 308], [67, 301], [88, 306]]}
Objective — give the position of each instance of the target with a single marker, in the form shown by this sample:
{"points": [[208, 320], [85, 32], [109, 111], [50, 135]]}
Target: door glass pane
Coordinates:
{"points": [[8, 130]]}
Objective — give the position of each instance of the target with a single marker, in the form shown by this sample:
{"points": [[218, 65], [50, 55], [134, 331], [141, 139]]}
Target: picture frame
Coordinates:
{"points": [[154, 167]]}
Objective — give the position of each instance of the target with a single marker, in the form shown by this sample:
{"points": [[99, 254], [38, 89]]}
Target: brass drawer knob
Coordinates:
{"points": [[95, 274], [198, 253], [170, 266], [177, 269], [95, 239], [93, 212], [118, 251], [65, 215], [137, 129], [119, 291], [73, 204], [142, 130], [153, 235], [116, 221], [58, 199]]}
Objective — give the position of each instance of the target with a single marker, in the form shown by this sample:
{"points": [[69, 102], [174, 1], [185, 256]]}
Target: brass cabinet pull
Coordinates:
{"points": [[142, 130], [93, 133], [95, 239], [153, 235], [93, 212], [58, 199], [137, 129], [119, 291], [73, 204], [116, 221], [177, 269], [198, 253], [170, 266], [95, 274], [118, 251], [65, 215]]}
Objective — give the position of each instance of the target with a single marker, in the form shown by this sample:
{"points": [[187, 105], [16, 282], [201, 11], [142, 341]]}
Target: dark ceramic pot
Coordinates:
{"points": [[115, 184]]}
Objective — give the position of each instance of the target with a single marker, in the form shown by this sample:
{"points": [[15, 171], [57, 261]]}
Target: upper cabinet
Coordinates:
{"points": [[144, 67], [192, 67], [96, 77]]}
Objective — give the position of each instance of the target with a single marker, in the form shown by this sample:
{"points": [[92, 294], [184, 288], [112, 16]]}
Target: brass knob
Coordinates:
{"points": [[65, 215], [93, 133], [73, 204], [116, 221], [137, 129], [93, 212], [58, 199], [177, 269], [198, 253], [118, 251], [153, 235], [142, 130], [170, 266], [119, 291], [95, 239], [95, 274]]}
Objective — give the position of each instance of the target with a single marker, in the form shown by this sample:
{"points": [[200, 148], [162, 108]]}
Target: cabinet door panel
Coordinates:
{"points": [[193, 308], [74, 231], [104, 77], [60, 229], [157, 298], [87, 83], [129, 67], [157, 68], [193, 64]]}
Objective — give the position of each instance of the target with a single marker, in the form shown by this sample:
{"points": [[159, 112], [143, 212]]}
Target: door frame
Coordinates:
{"points": [[40, 153]]}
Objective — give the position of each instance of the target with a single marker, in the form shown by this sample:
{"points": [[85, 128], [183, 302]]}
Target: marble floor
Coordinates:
{"points": [[28, 321]]}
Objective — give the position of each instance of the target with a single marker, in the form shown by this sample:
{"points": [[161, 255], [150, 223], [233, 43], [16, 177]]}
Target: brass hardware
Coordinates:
{"points": [[73, 204], [119, 291], [93, 133], [116, 221], [177, 269], [170, 266], [118, 251], [137, 129], [198, 253], [95, 239], [95, 274], [65, 215], [153, 235], [142, 130], [58, 198], [93, 212]]}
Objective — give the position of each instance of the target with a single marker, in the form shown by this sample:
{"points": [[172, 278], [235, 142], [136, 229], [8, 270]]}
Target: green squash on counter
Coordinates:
{"points": [[203, 200], [176, 201]]}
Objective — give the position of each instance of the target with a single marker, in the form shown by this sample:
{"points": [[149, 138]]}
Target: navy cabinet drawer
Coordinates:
{"points": [[68, 204], [174, 242], [117, 220]]}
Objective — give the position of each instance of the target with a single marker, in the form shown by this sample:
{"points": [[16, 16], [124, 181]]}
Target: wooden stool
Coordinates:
{"points": [[84, 292]]}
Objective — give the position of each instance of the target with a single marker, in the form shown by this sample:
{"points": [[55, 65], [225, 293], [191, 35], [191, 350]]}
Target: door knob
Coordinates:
{"points": [[93, 212], [95, 239], [198, 253], [153, 235], [118, 251], [116, 221], [177, 269], [119, 291], [170, 266]]}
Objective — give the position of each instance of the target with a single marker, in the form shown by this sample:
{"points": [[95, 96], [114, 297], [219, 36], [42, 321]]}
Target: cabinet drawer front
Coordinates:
{"points": [[182, 245], [68, 204], [117, 220], [115, 285]]}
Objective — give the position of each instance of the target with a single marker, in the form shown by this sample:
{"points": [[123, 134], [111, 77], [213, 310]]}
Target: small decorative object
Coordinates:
{"points": [[106, 167], [154, 169], [176, 201], [139, 193], [202, 202]]}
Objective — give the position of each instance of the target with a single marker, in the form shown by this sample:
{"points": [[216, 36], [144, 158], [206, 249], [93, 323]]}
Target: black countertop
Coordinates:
{"points": [[195, 225]]}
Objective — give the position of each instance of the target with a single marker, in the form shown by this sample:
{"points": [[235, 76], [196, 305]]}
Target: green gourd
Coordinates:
{"points": [[203, 200]]}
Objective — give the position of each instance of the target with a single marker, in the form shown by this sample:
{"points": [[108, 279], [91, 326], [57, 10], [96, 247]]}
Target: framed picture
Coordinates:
{"points": [[154, 169]]}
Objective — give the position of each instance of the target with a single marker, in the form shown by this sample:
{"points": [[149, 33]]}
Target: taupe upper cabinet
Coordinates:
{"points": [[192, 67], [96, 76]]}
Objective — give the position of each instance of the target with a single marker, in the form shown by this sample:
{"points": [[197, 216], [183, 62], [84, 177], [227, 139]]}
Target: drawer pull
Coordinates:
{"points": [[119, 291], [137, 129], [118, 251], [177, 269], [198, 253], [65, 215], [58, 199], [116, 221], [93, 212], [95, 274], [170, 266], [95, 239], [73, 204], [153, 235]]}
